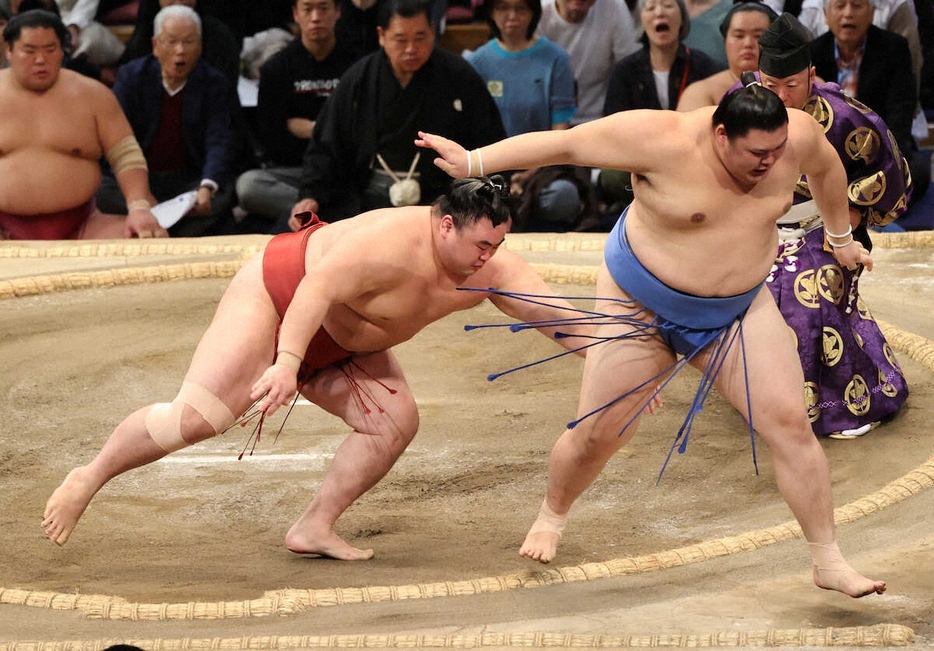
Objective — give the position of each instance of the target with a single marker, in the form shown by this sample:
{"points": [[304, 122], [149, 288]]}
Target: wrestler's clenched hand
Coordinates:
{"points": [[852, 255], [275, 388], [453, 158], [142, 223]]}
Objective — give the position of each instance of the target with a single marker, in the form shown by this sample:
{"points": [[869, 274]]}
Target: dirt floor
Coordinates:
{"points": [[188, 552]]}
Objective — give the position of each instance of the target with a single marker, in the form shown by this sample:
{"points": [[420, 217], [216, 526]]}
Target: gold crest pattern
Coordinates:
{"points": [[801, 187], [833, 347], [867, 190], [806, 289], [811, 396], [863, 144], [886, 386], [820, 109], [862, 309], [890, 357], [895, 150], [857, 396], [830, 283], [858, 105]]}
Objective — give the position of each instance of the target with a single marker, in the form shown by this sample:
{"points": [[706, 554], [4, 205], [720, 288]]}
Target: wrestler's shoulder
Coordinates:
{"points": [[383, 232], [75, 84], [506, 263], [802, 128]]}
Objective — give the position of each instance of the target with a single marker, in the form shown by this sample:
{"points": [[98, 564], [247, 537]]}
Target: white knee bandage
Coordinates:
{"points": [[164, 421]]}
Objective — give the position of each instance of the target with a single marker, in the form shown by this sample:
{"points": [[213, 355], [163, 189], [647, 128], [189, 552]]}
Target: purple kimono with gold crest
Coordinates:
{"points": [[851, 375]]}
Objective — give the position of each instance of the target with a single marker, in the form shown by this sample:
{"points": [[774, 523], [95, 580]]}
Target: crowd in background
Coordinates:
{"points": [[343, 87]]}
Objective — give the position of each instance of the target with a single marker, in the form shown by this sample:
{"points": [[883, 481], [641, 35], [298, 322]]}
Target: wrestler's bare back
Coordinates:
{"points": [[48, 137]]}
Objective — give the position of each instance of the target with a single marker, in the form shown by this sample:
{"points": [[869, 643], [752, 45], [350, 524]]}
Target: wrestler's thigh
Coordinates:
{"points": [[239, 344], [620, 366], [773, 368], [103, 226], [369, 392]]}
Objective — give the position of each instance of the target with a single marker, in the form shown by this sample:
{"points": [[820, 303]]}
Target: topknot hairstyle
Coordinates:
{"points": [[750, 107], [471, 199]]}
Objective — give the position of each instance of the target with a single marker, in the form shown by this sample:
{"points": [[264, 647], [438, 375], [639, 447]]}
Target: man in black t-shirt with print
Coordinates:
{"points": [[293, 86]]}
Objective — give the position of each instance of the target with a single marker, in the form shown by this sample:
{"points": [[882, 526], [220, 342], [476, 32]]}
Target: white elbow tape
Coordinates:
{"points": [[164, 420]]}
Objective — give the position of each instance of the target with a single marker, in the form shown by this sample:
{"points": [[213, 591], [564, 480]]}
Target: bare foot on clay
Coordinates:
{"points": [[541, 543], [66, 505], [330, 545], [832, 572]]}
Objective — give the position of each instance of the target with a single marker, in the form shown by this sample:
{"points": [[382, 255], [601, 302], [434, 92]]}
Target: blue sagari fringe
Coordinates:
{"points": [[721, 345]]}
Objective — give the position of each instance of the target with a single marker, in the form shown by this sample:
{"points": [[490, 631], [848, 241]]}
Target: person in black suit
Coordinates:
{"points": [[180, 111], [874, 67]]}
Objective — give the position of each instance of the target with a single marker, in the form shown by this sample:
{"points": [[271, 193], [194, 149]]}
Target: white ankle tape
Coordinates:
{"points": [[549, 521], [164, 420]]}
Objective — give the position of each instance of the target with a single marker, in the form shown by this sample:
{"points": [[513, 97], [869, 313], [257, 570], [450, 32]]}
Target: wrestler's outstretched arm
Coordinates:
{"points": [[516, 276], [618, 141]]}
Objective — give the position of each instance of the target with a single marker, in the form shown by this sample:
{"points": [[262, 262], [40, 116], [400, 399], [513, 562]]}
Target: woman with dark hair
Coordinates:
{"points": [[655, 76], [652, 78], [529, 77], [532, 83]]}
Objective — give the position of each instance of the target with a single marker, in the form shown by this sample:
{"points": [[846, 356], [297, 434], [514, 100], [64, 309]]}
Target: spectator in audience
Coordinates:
{"points": [[652, 78], [89, 37], [893, 15], [362, 153], [925, 10], [357, 25], [595, 34], [221, 49], [531, 81], [178, 106], [293, 86], [851, 378], [4, 19], [741, 30], [873, 65], [706, 17], [657, 75], [56, 125]]}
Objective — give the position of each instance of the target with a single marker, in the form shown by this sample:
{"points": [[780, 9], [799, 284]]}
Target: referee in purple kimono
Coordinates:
{"points": [[852, 380]]}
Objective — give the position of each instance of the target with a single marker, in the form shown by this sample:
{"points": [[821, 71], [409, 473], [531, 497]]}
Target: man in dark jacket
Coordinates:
{"points": [[180, 111], [369, 125], [874, 66]]}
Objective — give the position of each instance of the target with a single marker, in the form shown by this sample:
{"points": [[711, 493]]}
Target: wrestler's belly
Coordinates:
{"points": [[707, 263], [720, 276], [42, 181]]}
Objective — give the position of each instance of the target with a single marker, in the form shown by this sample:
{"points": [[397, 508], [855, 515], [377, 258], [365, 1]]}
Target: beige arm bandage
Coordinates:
{"points": [[126, 155], [164, 420]]}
